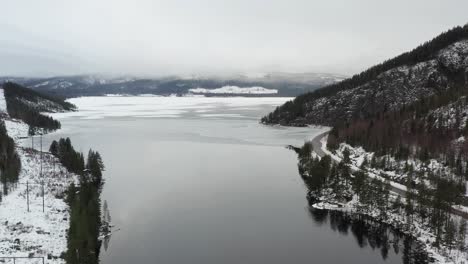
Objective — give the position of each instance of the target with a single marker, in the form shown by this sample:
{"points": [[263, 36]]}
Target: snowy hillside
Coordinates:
{"points": [[34, 233], [430, 69], [16, 94], [393, 175]]}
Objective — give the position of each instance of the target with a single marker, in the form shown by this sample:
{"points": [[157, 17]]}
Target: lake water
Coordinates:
{"points": [[199, 180]]}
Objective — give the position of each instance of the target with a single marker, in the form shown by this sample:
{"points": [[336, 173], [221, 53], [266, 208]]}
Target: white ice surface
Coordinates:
{"points": [[157, 106]]}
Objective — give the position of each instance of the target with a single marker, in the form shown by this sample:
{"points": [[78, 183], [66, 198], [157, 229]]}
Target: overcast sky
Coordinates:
{"points": [[151, 37]]}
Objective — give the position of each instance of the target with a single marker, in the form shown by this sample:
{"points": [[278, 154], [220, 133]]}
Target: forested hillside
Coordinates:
{"points": [[27, 105], [430, 69], [410, 116], [414, 105], [10, 163]]}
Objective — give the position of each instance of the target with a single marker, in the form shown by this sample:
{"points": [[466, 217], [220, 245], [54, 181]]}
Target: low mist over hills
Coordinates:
{"points": [[271, 84]]}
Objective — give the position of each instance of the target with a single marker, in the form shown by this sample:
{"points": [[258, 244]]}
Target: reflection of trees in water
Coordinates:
{"points": [[370, 233], [106, 225], [106, 242]]}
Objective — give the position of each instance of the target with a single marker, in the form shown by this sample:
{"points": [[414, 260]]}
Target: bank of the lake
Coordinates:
{"points": [[50, 207], [203, 182], [345, 180]]}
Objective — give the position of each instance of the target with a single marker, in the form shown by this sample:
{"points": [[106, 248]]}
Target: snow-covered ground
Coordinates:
{"points": [[357, 157], [418, 229], [34, 233], [395, 175], [234, 90], [16, 129]]}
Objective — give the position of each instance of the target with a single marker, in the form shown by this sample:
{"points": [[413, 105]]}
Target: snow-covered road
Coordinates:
{"points": [[320, 148]]}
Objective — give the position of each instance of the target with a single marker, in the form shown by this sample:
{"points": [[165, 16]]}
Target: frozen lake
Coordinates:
{"points": [[199, 180]]}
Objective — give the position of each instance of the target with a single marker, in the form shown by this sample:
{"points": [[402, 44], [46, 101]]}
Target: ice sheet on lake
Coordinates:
{"points": [[167, 107]]}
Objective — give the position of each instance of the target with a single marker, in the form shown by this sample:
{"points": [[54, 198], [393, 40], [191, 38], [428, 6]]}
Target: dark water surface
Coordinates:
{"points": [[203, 182]]}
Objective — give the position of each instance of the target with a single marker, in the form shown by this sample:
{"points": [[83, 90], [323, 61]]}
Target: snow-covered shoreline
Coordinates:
{"points": [[418, 229], [34, 233]]}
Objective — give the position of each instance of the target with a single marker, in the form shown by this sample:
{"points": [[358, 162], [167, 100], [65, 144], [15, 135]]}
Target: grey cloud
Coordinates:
{"points": [[143, 37]]}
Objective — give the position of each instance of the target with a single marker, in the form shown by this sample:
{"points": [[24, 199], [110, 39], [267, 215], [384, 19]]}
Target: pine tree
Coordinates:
{"points": [[397, 204], [422, 198], [409, 207], [359, 182], [346, 156], [54, 147], [31, 133], [462, 229], [450, 234], [95, 165]]}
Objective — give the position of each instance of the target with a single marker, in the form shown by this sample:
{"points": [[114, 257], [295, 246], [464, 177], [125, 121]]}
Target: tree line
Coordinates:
{"points": [[83, 245], [84, 202], [27, 105], [74, 160], [425, 130], [10, 163], [298, 107]]}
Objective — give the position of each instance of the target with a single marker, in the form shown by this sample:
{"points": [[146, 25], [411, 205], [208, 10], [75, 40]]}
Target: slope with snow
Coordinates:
{"points": [[389, 90], [34, 233], [418, 227]]}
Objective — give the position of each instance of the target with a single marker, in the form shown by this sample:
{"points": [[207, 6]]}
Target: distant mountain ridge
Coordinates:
{"points": [[285, 84]]}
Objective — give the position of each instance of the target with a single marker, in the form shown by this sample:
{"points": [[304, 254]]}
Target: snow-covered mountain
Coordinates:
{"points": [[285, 84], [433, 68]]}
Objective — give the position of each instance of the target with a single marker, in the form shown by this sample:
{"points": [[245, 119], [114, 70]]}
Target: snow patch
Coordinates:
{"points": [[235, 90], [16, 129]]}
